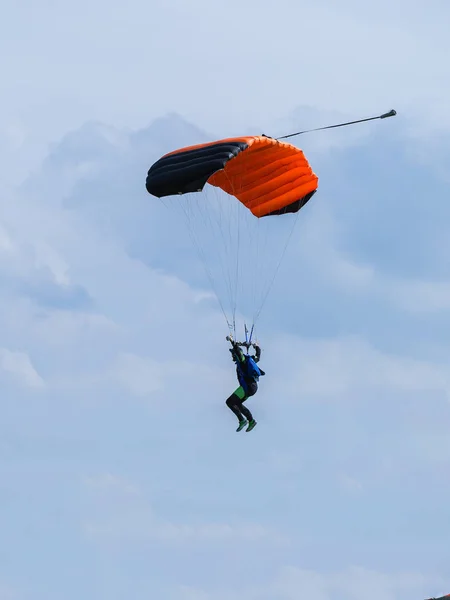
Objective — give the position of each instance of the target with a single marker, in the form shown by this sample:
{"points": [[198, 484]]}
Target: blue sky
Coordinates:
{"points": [[121, 473]]}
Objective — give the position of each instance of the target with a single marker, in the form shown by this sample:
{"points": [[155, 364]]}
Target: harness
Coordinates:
{"points": [[247, 371]]}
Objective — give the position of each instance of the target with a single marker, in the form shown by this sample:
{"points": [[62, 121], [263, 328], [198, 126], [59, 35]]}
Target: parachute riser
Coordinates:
{"points": [[248, 338]]}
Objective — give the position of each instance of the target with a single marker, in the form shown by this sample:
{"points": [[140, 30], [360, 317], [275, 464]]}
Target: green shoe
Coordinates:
{"points": [[251, 425], [242, 424]]}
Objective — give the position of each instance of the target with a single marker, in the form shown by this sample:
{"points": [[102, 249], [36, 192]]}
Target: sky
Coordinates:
{"points": [[121, 474]]}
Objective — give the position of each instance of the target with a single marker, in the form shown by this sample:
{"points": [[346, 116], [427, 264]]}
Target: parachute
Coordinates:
{"points": [[242, 180], [269, 177]]}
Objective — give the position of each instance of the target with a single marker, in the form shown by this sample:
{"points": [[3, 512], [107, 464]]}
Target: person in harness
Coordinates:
{"points": [[248, 374]]}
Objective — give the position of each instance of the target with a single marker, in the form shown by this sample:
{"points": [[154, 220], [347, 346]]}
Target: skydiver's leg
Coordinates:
{"points": [[251, 391], [247, 414], [235, 403]]}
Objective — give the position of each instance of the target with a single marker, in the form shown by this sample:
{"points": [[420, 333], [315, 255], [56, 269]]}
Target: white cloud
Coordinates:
{"points": [[150, 377], [142, 376], [316, 66], [333, 368], [108, 483], [90, 318], [321, 243], [351, 484], [19, 365], [62, 328], [9, 593], [184, 592], [421, 296], [216, 532], [123, 513], [47, 257], [6, 245], [353, 583], [150, 334]]}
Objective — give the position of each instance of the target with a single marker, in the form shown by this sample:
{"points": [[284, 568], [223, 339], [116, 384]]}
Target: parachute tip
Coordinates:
{"points": [[391, 113]]}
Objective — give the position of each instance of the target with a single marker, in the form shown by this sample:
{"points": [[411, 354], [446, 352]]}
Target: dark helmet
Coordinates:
{"points": [[233, 354]]}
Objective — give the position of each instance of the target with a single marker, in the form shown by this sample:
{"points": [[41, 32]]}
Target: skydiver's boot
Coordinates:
{"points": [[251, 425], [242, 424]]}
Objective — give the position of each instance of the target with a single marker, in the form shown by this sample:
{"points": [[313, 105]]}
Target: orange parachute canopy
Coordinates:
{"points": [[268, 176]]}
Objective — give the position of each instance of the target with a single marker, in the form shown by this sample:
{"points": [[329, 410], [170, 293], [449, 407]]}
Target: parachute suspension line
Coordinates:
{"points": [[249, 341], [236, 276], [272, 281], [234, 223], [219, 214], [242, 225], [188, 211], [243, 274], [227, 242], [391, 113], [248, 234], [205, 264], [216, 209], [248, 228], [260, 264], [263, 270]]}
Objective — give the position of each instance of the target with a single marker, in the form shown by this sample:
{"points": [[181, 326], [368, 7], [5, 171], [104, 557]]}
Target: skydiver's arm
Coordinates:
{"points": [[257, 354], [238, 352]]}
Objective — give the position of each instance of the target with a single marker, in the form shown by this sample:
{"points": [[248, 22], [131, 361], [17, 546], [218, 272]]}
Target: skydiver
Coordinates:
{"points": [[248, 374]]}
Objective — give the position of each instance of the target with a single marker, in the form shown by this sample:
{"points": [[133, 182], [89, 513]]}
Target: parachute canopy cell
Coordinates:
{"points": [[268, 176]]}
